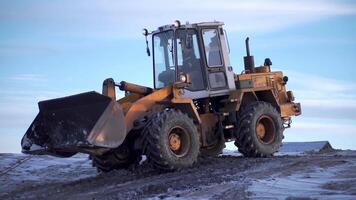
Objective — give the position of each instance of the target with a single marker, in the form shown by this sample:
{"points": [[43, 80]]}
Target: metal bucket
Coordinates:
{"points": [[78, 123]]}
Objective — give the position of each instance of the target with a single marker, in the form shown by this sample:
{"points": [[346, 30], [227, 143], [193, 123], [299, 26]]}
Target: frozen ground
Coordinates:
{"points": [[290, 175]]}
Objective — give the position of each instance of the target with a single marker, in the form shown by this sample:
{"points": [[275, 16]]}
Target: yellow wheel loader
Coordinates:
{"points": [[196, 105]]}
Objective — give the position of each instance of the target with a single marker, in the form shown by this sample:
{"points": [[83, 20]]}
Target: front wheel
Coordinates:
{"points": [[171, 140], [260, 130]]}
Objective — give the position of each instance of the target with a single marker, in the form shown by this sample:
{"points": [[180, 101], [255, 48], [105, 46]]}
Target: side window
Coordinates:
{"points": [[217, 80], [212, 47]]}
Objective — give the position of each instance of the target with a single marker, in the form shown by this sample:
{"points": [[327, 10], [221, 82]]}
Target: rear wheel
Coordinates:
{"points": [[260, 130], [171, 140]]}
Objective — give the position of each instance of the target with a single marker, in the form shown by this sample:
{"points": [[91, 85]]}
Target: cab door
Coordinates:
{"points": [[189, 61], [214, 59]]}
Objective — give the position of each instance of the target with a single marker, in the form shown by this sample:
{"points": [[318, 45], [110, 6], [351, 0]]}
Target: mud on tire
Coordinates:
{"points": [[120, 159], [171, 140], [260, 130]]}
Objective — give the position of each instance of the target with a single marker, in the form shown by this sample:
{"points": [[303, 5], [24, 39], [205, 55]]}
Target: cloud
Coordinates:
{"points": [[319, 83], [339, 132], [21, 50], [19, 107], [322, 97], [277, 42], [317, 87], [28, 77], [331, 103], [109, 18], [325, 127]]}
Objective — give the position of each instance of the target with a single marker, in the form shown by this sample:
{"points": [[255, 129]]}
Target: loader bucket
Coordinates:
{"points": [[78, 123]]}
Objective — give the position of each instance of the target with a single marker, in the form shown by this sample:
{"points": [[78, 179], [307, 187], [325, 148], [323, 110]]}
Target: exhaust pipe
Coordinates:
{"points": [[248, 59]]}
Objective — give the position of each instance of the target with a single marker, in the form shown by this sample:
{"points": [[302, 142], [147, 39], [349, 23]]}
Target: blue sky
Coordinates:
{"points": [[55, 48]]}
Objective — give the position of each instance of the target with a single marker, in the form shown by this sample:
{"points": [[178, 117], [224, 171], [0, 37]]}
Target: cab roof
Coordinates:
{"points": [[188, 25]]}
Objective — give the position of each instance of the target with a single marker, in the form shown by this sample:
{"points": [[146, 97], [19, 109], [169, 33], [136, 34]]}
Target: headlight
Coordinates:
{"points": [[183, 78]]}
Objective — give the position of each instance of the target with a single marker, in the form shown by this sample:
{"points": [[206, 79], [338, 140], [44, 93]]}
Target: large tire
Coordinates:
{"points": [[260, 130], [171, 140], [121, 159], [213, 150]]}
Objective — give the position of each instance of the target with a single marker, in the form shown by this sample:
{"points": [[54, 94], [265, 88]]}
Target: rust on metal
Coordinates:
{"points": [[265, 129], [174, 141], [290, 109], [130, 87], [260, 130], [109, 88], [179, 141], [263, 69]]}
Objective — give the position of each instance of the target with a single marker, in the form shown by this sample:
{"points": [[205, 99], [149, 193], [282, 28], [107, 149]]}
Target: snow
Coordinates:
{"points": [[35, 147], [26, 142], [304, 147], [42, 169], [323, 176], [302, 185], [288, 148], [143, 159], [19, 172]]}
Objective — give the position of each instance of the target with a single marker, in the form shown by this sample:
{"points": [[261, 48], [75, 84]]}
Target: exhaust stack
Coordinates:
{"points": [[248, 59]]}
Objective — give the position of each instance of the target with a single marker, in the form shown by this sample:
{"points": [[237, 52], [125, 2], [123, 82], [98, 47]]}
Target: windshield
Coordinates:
{"points": [[163, 59]]}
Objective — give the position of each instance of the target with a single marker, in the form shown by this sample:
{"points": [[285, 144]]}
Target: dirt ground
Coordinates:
{"points": [[329, 175]]}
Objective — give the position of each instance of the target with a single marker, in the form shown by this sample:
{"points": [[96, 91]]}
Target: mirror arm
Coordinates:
{"points": [[147, 48]]}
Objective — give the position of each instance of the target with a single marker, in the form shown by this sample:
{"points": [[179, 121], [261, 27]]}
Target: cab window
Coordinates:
{"points": [[212, 47]]}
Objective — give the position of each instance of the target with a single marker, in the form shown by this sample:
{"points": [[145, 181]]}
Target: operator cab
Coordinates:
{"points": [[198, 52]]}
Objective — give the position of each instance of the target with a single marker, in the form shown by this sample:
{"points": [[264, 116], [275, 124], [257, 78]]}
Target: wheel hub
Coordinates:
{"points": [[265, 129], [179, 141], [174, 141], [261, 131]]}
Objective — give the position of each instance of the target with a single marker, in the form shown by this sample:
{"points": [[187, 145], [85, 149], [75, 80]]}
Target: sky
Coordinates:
{"points": [[55, 48]]}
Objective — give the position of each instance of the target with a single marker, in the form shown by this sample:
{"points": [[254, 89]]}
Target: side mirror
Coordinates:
{"points": [[148, 49], [146, 33]]}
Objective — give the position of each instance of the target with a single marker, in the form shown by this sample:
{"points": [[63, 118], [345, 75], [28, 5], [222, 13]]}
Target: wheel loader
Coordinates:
{"points": [[196, 104]]}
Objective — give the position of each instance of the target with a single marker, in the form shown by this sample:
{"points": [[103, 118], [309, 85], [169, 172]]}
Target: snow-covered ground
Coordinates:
{"points": [[288, 148], [298, 171], [41, 169]]}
